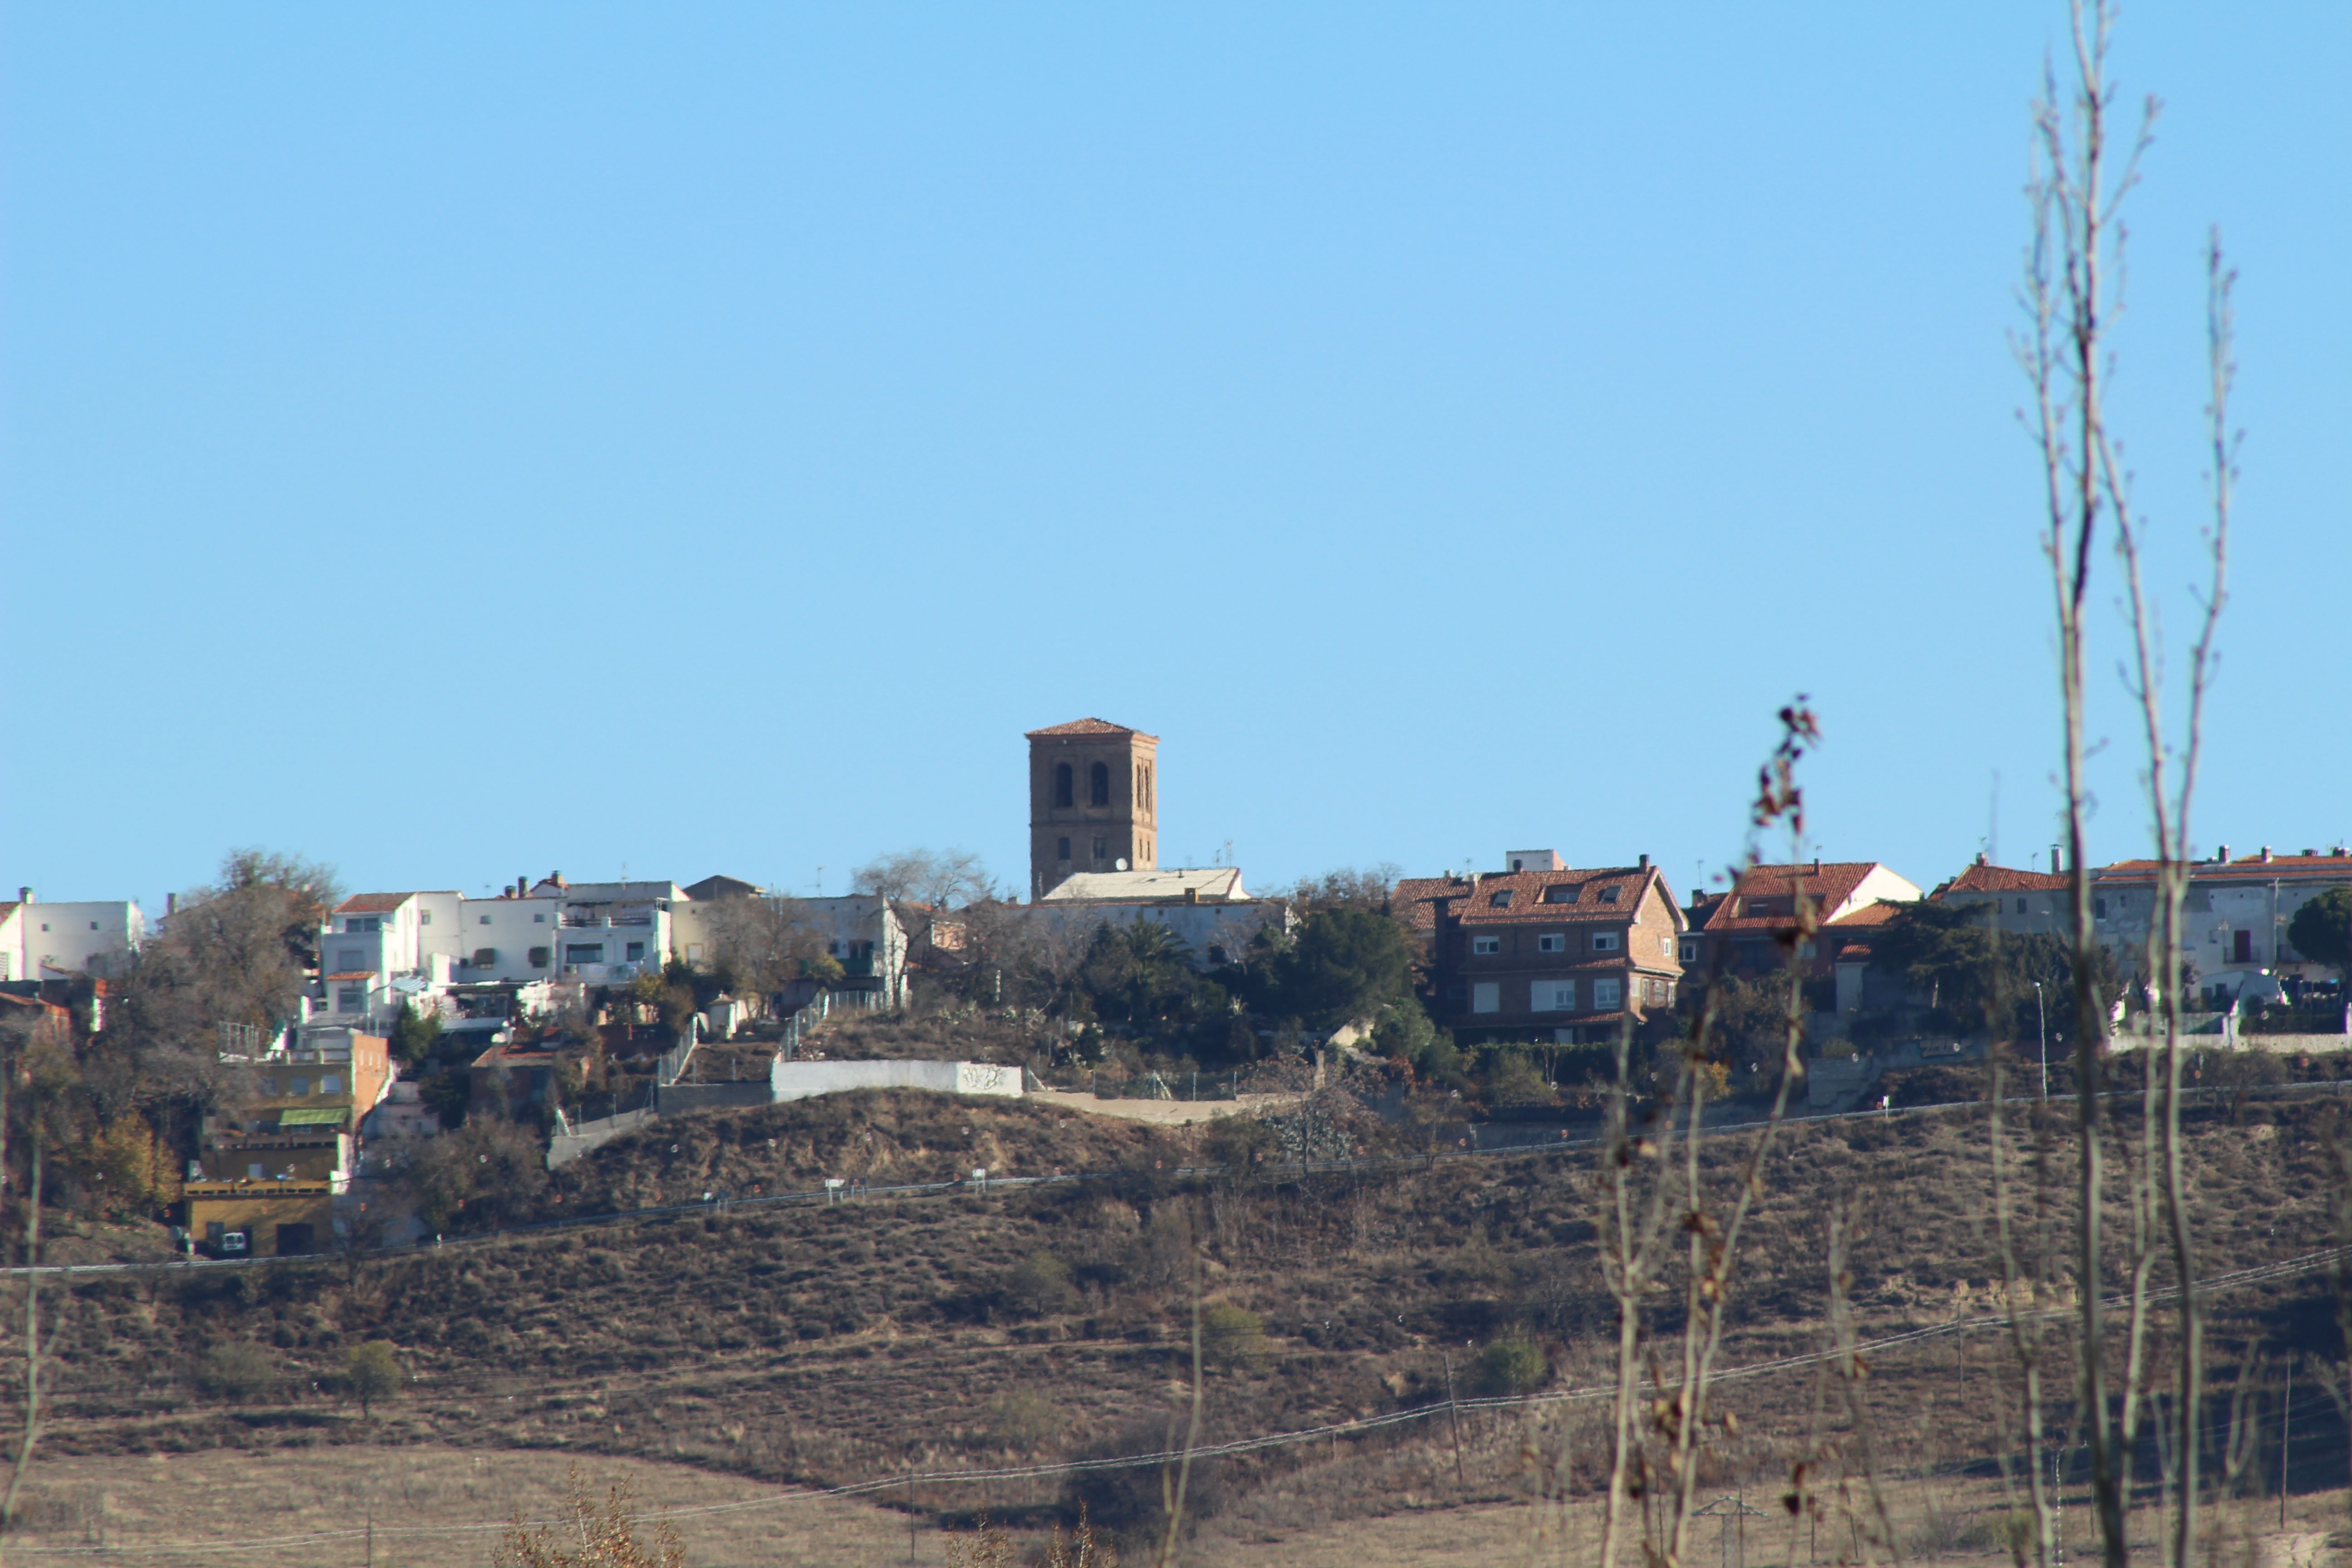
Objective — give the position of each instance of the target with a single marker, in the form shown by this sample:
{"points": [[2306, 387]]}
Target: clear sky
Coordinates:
{"points": [[464, 442]]}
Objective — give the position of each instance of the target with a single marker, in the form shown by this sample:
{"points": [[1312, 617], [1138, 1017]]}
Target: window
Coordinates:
{"points": [[350, 998], [485, 957], [1553, 997], [1552, 941], [1667, 944], [540, 920], [1609, 895], [1501, 900], [93, 925], [1755, 909], [1807, 949], [1559, 893], [1102, 849], [1064, 850], [486, 920], [2020, 906], [1607, 941], [330, 1084], [1606, 993], [1062, 796], [2242, 947], [1486, 945], [2099, 907], [425, 917], [1486, 996], [583, 952], [1098, 784], [350, 958], [635, 952], [538, 957], [1690, 951]]}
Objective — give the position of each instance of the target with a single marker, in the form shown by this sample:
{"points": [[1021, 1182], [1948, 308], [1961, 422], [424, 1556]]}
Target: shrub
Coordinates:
{"points": [[1039, 1284], [1512, 1366], [1023, 1418], [237, 1370], [1231, 1338], [371, 1373]]}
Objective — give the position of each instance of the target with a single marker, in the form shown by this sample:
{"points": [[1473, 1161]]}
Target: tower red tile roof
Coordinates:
{"points": [[1087, 726]]}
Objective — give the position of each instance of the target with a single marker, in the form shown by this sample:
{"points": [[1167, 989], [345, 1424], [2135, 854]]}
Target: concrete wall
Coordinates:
{"points": [[801, 1081]]}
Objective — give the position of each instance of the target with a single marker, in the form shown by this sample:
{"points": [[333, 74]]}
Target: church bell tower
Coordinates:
{"points": [[1093, 801]]}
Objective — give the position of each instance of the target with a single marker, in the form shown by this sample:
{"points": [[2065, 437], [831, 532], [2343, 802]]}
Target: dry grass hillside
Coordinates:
{"points": [[819, 1345]]}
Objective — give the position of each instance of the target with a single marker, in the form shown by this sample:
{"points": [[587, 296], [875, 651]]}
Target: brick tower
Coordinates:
{"points": [[1093, 801]]}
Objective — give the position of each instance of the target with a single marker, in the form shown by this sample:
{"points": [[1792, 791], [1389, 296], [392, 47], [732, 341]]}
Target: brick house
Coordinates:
{"points": [[1746, 932], [1546, 949], [2022, 904]]}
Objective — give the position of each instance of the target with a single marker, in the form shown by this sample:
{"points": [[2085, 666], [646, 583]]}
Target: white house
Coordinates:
{"points": [[2234, 921], [1204, 908], [38, 939]]}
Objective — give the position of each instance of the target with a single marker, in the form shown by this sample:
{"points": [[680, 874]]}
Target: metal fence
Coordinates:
{"points": [[820, 1007]]}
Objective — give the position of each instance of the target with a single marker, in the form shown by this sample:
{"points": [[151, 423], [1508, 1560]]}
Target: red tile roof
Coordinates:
{"points": [[1421, 901], [1828, 883], [1089, 727], [373, 903], [1983, 879], [2246, 869]]}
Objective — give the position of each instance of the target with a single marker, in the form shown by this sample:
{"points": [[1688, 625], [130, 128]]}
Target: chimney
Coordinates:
{"points": [[2266, 854], [2057, 861], [1980, 857], [170, 903], [2221, 853], [1642, 863], [1192, 895], [24, 895]]}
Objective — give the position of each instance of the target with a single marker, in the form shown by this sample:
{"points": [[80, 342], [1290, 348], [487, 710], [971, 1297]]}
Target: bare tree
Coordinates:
{"points": [[942, 879], [2072, 295], [765, 942]]}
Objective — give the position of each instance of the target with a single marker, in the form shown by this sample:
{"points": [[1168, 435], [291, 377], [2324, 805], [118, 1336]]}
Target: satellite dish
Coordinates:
{"points": [[1119, 865]]}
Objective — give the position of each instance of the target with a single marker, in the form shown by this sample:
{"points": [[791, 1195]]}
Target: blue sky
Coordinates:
{"points": [[462, 442]]}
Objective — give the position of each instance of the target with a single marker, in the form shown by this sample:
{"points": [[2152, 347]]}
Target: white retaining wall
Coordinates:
{"points": [[799, 1080]]}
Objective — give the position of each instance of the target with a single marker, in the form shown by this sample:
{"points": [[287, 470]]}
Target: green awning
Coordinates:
{"points": [[325, 1117]]}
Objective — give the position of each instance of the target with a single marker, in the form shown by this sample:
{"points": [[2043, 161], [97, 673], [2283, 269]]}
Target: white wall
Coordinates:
{"points": [[513, 927], [69, 937], [801, 1081]]}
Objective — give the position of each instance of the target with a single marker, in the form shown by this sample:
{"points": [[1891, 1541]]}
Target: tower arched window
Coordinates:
{"points": [[1062, 795], [1098, 784]]}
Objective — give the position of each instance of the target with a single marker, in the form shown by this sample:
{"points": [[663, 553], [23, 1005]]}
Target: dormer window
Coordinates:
{"points": [[1560, 893], [1501, 900]]}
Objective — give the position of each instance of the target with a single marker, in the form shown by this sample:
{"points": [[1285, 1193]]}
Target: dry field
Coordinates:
{"points": [[769, 1348], [445, 1507]]}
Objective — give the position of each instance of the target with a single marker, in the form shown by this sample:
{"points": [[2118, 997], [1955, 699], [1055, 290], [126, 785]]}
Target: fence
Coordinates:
{"points": [[672, 1065], [820, 1007]]}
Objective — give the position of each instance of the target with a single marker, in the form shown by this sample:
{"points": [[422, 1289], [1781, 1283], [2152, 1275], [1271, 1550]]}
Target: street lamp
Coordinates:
{"points": [[2042, 1018]]}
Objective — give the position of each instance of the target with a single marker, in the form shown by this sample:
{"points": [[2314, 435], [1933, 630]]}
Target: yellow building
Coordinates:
{"points": [[270, 1167]]}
